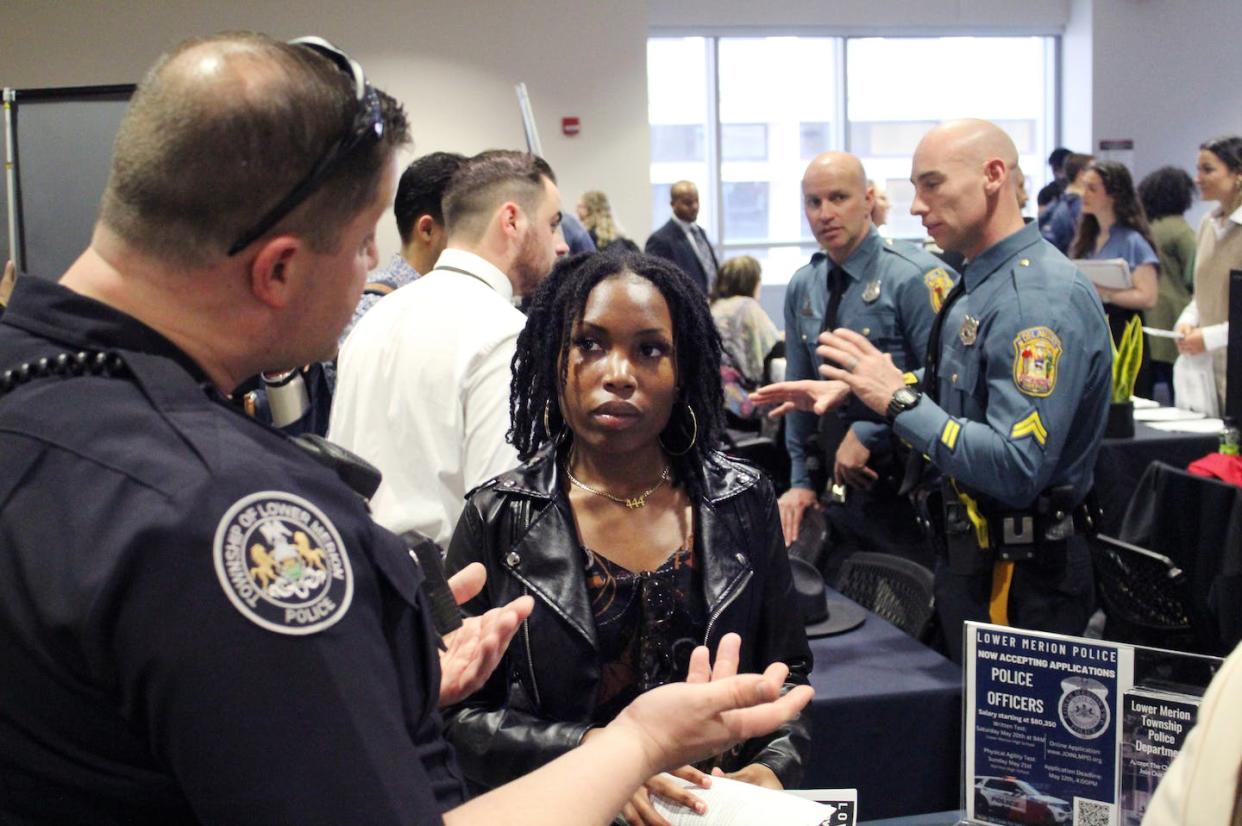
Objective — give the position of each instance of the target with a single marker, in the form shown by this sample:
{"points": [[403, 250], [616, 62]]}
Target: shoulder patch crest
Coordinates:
{"points": [[1036, 351], [282, 563], [938, 285]]}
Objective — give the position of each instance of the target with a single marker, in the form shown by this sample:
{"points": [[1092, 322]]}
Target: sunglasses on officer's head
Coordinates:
{"points": [[367, 128]]}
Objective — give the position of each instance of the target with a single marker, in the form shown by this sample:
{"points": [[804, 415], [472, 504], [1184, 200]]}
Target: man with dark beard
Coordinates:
{"points": [[423, 380]]}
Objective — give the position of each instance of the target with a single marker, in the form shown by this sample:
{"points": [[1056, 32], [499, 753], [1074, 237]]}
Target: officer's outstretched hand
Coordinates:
{"points": [[714, 709], [869, 373], [475, 649], [809, 395]]}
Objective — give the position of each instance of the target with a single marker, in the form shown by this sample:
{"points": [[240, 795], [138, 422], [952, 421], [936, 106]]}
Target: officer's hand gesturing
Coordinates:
{"points": [[869, 373], [812, 396], [475, 649]]}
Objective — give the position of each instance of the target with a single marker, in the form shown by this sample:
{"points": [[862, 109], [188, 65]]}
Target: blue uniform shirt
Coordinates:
{"points": [[894, 292], [198, 623], [1025, 376]]}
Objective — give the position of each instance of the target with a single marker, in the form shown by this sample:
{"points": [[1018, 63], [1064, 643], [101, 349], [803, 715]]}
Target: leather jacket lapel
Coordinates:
{"points": [[725, 571], [550, 564]]}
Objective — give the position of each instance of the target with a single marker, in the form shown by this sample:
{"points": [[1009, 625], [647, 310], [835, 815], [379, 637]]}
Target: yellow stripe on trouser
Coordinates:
{"points": [[1002, 572], [998, 607]]}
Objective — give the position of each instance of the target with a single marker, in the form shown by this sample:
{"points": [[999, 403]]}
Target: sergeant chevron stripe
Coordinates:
{"points": [[1030, 426], [949, 435]]}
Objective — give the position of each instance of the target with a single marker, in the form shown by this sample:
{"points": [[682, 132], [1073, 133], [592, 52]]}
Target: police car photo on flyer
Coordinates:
{"points": [[1042, 716]]}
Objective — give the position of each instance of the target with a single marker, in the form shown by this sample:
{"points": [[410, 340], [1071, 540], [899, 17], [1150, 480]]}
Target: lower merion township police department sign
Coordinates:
{"points": [[282, 563]]}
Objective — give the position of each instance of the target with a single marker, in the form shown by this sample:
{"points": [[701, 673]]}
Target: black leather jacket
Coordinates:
{"points": [[538, 702]]}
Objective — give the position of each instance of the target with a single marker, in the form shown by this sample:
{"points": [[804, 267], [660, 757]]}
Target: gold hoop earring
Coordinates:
{"points": [[694, 423]]}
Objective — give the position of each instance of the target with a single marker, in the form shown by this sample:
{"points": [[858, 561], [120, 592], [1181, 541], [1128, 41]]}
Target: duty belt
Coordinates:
{"points": [[982, 530]]}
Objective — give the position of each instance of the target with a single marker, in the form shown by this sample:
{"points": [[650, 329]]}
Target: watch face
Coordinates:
{"points": [[906, 397]]}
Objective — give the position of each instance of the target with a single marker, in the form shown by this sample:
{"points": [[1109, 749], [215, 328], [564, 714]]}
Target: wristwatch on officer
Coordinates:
{"points": [[905, 398]]}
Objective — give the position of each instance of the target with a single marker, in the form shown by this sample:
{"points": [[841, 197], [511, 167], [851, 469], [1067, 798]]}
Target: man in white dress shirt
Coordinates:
{"points": [[423, 380]]}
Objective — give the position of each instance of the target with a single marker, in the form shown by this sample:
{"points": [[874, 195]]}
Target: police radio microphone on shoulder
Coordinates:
{"points": [[445, 614]]}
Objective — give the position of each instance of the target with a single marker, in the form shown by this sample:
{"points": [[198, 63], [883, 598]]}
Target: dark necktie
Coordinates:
{"points": [[931, 372], [832, 428], [931, 381], [838, 282]]}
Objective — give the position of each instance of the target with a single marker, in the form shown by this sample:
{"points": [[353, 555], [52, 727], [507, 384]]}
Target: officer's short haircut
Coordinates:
{"points": [[421, 190], [488, 180], [1075, 163], [198, 162]]}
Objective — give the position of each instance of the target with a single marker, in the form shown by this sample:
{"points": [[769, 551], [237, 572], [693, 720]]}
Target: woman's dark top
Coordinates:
{"points": [[647, 624]]}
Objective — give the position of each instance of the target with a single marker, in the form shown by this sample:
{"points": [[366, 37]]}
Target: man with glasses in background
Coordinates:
{"points": [[198, 621]]}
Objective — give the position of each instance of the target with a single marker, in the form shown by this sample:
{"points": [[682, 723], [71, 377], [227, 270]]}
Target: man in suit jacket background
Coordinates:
{"points": [[682, 241]]}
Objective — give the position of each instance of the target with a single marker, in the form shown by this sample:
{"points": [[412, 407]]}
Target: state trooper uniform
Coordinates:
{"points": [[1016, 397], [892, 294], [198, 623]]}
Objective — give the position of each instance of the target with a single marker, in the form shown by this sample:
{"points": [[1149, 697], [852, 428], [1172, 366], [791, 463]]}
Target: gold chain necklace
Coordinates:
{"points": [[632, 503]]}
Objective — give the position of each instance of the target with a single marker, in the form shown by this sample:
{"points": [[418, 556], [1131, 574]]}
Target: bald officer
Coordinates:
{"points": [[889, 293], [1011, 409]]}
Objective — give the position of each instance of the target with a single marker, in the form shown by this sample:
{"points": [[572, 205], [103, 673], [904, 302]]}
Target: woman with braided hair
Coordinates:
{"points": [[636, 537]]}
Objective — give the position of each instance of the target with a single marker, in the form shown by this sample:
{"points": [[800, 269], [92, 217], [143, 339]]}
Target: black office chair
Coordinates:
{"points": [[1143, 595], [899, 590]]}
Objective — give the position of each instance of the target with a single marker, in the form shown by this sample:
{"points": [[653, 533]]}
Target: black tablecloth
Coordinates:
{"points": [[1122, 461], [886, 720]]}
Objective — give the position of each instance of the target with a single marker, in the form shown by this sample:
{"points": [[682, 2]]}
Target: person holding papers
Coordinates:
{"points": [[636, 538], [1114, 226], [1205, 321]]}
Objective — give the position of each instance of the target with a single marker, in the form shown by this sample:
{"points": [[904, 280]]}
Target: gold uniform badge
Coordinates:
{"points": [[1036, 351], [938, 285]]}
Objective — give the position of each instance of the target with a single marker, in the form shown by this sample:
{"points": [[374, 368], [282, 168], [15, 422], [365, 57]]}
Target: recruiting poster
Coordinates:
{"points": [[1042, 720], [1154, 724]]}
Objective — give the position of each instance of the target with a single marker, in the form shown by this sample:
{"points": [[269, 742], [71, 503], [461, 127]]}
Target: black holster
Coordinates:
{"points": [[1038, 534]]}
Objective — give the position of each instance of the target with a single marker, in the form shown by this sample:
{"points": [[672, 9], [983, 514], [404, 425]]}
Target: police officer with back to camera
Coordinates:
{"points": [[199, 623], [887, 291], [1011, 408]]}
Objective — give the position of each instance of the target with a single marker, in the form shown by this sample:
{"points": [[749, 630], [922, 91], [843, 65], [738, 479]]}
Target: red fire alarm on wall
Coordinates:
{"points": [[571, 126]]}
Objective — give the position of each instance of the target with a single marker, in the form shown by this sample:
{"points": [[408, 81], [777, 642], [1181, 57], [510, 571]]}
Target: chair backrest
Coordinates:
{"points": [[1197, 523], [899, 590], [1143, 595]]}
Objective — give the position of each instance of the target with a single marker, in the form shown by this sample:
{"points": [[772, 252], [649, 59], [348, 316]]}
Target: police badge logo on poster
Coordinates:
{"points": [[282, 563]]}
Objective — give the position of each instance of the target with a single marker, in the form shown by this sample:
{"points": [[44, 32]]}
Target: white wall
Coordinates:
{"points": [[1153, 70], [453, 64], [1165, 75], [930, 17]]}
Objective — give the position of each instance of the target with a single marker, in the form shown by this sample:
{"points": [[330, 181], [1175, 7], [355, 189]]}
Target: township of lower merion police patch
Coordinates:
{"points": [[1035, 354], [281, 562]]}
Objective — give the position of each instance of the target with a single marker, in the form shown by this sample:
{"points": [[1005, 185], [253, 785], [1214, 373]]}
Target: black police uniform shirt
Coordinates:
{"points": [[198, 623], [1025, 377]]}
